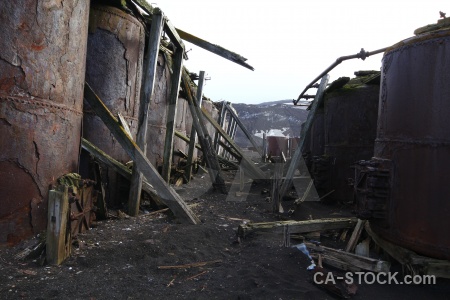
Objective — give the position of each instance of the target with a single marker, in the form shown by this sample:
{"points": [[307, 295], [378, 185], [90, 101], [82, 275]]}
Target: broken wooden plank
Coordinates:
{"points": [[58, 240], [298, 226], [148, 83], [168, 195], [216, 49], [309, 121], [364, 263], [172, 113], [253, 171], [335, 263], [244, 129], [355, 235], [191, 265]]}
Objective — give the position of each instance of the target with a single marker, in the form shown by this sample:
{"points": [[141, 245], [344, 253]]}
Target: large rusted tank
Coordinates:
{"points": [[42, 69], [277, 145], [350, 123], [404, 189], [157, 118], [113, 69]]}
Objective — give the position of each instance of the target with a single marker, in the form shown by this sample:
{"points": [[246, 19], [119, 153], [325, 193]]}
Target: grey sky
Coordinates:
{"points": [[290, 42]]}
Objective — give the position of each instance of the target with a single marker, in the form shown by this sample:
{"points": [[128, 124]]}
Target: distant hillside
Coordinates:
{"points": [[282, 117]]}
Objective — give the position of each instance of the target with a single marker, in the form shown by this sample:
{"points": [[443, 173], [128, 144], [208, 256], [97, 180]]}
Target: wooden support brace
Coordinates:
{"points": [[309, 121], [148, 83], [355, 235], [244, 129], [168, 195]]}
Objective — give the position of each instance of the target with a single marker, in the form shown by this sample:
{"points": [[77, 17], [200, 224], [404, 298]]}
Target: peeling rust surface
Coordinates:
{"points": [[414, 133], [42, 63], [114, 65]]}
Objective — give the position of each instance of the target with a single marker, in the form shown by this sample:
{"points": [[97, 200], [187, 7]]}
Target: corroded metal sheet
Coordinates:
{"points": [[414, 135], [114, 64], [42, 67], [276, 145]]}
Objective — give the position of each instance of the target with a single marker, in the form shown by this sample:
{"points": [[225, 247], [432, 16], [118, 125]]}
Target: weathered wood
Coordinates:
{"points": [[230, 151], [119, 168], [227, 54], [365, 263], [193, 140], [186, 139], [124, 124], [298, 226], [173, 34], [148, 83], [253, 171], [410, 259], [336, 263], [355, 235], [306, 193], [172, 113], [264, 148], [168, 195], [244, 129], [209, 154], [59, 242], [309, 121]]}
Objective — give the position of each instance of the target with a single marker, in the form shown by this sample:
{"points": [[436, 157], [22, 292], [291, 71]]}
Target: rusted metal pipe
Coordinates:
{"points": [[362, 55]]}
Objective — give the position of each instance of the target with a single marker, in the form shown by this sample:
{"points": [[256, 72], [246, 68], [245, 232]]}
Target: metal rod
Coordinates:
{"points": [[362, 55]]}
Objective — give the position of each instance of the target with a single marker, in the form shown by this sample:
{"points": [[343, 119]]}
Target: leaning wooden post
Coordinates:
{"points": [[243, 128], [148, 86], [172, 113], [309, 120], [209, 154], [264, 148], [221, 122], [193, 139]]}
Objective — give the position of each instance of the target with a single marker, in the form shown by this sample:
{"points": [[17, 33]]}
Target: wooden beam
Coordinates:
{"points": [[58, 242], [221, 122], [362, 262], [355, 235], [309, 121], [193, 140], [172, 113], [252, 170], [244, 129], [173, 34], [186, 139], [119, 168], [298, 226], [227, 54], [148, 83], [209, 154], [168, 195]]}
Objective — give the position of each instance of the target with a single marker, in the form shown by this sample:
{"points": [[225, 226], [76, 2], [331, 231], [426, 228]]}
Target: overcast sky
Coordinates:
{"points": [[290, 42]]}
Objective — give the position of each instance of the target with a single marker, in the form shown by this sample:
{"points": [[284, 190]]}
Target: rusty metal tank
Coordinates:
{"points": [[350, 123], [276, 145], [404, 189], [157, 118], [114, 61], [42, 70]]}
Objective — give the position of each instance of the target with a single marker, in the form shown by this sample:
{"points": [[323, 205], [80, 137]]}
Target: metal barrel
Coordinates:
{"points": [[406, 192], [276, 145], [350, 122], [114, 64], [42, 71]]}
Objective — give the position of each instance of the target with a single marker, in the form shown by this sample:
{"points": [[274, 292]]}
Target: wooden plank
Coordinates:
{"points": [[252, 170], [168, 195], [124, 124], [148, 83], [191, 265], [216, 49], [335, 263], [186, 139], [172, 113], [222, 117], [309, 121], [119, 168], [365, 263], [193, 140], [171, 31], [244, 129], [355, 236], [209, 154], [58, 241], [298, 226]]}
